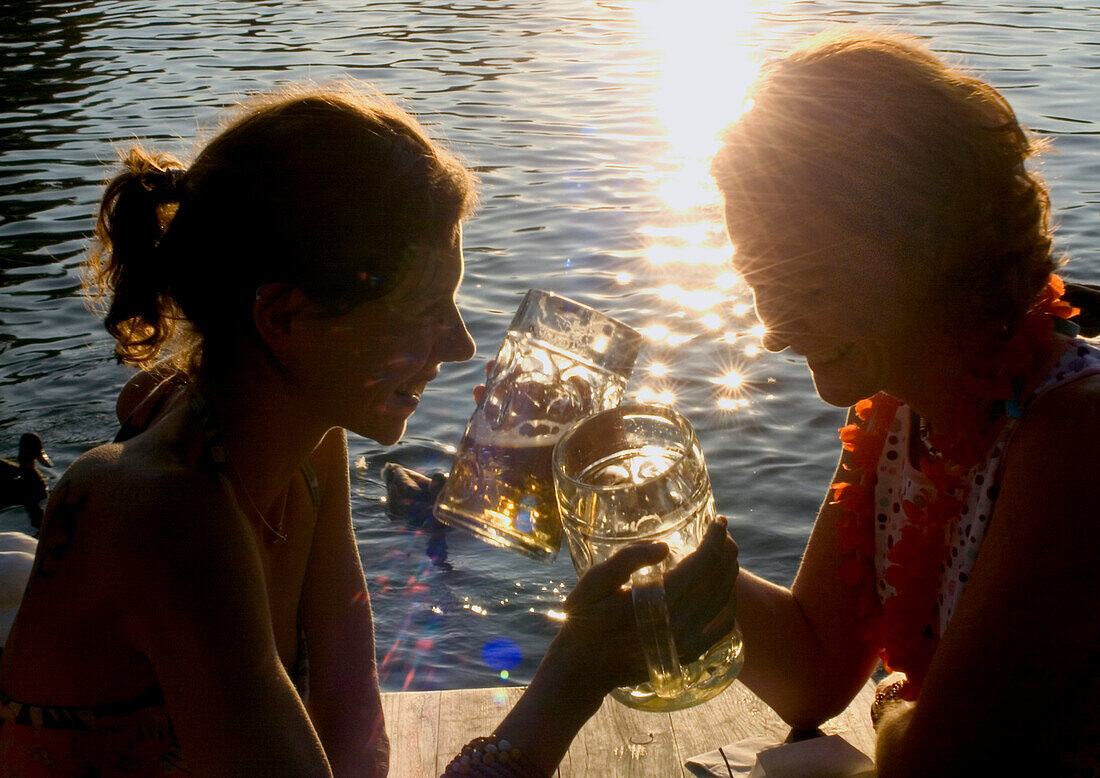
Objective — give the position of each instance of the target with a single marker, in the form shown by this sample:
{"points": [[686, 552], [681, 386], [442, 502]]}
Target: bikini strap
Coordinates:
{"points": [[216, 449], [208, 422], [314, 485]]}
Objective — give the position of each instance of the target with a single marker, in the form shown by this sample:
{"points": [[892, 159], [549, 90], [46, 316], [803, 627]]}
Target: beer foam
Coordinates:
{"points": [[512, 437]]}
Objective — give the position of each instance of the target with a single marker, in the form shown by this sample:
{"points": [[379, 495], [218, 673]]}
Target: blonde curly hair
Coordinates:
{"points": [[871, 134]]}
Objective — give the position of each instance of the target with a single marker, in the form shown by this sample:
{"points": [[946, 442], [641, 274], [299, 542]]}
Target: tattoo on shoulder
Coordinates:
{"points": [[58, 531]]}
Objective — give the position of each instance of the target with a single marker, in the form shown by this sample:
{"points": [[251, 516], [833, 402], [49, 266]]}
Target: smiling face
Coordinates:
{"points": [[843, 309], [369, 367]]}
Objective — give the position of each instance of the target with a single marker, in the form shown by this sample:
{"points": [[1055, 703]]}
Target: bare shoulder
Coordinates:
{"points": [[330, 460], [1050, 468], [140, 386], [133, 512], [1060, 436], [125, 479]]}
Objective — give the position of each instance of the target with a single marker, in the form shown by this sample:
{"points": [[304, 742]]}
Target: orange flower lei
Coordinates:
{"points": [[906, 624]]}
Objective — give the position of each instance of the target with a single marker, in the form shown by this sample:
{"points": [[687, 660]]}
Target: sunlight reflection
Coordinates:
{"points": [[732, 380], [705, 51], [705, 73], [697, 299], [727, 280], [684, 234], [691, 255], [648, 394]]}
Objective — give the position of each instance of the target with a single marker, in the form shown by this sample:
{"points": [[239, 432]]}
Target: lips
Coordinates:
{"points": [[407, 397]]}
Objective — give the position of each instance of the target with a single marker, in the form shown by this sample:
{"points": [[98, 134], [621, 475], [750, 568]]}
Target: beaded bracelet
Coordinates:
{"points": [[888, 692], [492, 756]]}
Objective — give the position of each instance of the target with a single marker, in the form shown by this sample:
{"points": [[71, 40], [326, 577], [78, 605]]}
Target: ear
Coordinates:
{"points": [[276, 311]]}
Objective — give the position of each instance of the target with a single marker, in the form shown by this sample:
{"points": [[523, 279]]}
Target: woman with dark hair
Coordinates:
{"points": [[198, 602], [883, 212]]}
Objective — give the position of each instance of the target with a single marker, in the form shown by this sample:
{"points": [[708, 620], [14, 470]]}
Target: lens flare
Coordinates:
{"points": [[501, 654]]}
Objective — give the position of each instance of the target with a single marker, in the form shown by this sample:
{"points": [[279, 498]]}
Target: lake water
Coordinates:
{"points": [[589, 124]]}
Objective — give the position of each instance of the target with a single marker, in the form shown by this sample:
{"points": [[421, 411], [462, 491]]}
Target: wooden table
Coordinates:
{"points": [[428, 728]]}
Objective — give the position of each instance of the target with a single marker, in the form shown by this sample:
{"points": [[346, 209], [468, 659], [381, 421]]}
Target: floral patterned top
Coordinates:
{"points": [[899, 479]]}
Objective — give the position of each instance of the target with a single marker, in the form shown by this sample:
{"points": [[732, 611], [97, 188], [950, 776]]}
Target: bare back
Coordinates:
{"points": [[125, 513]]}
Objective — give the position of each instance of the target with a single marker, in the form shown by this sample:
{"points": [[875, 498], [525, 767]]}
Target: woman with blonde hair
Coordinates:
{"points": [[884, 212]]}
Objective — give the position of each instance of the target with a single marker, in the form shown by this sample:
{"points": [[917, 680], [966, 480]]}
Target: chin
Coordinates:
{"points": [[845, 383], [842, 396], [385, 432], [388, 437]]}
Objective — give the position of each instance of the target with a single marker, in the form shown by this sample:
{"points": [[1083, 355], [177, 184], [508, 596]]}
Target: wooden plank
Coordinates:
{"points": [[737, 714], [468, 713], [621, 741], [428, 728], [854, 724], [412, 721], [733, 715]]}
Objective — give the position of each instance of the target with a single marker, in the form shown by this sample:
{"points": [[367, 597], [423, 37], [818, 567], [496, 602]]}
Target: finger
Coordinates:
{"points": [[479, 390], [606, 578], [704, 572], [694, 643], [701, 606], [703, 583], [715, 554]]}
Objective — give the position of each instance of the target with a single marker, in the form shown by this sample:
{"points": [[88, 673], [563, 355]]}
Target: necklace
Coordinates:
{"points": [[905, 625], [219, 454], [256, 509]]}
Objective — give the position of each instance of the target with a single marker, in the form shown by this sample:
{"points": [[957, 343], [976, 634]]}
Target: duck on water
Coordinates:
{"points": [[20, 481]]}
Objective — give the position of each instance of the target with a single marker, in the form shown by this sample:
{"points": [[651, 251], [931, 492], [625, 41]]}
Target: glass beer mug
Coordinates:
{"points": [[559, 362], [634, 473]]}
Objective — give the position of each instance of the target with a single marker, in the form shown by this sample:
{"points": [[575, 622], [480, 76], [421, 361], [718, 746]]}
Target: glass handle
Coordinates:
{"points": [[647, 587]]}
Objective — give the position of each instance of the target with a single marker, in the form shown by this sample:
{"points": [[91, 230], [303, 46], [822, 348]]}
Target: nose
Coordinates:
{"points": [[772, 341], [778, 321], [455, 344]]}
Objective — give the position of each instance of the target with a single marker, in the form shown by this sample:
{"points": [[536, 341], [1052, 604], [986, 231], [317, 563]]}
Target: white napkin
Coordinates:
{"points": [[736, 759], [830, 756]]}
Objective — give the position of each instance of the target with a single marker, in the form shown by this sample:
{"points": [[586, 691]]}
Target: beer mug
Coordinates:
{"points": [[633, 473], [559, 362]]}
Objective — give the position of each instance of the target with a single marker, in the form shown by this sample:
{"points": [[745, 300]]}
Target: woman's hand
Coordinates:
{"points": [[597, 648], [479, 390], [599, 638]]}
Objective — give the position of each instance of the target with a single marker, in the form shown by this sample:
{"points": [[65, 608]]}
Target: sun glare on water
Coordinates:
{"points": [[707, 65], [705, 74]]}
